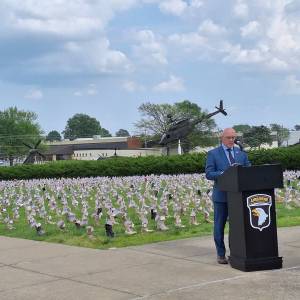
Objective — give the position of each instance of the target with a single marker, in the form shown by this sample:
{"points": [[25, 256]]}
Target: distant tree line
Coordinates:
{"points": [[83, 126], [255, 136], [18, 127]]}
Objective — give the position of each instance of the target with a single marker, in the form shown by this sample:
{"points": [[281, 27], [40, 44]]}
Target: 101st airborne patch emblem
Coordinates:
{"points": [[259, 209]]}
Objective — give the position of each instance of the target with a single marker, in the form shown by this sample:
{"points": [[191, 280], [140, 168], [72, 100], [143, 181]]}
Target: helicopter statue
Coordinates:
{"points": [[180, 129], [34, 155]]}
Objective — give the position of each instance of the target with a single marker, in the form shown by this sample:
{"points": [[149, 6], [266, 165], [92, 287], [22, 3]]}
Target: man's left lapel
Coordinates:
{"points": [[237, 155]]}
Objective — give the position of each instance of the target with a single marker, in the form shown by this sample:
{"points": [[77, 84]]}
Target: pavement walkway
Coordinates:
{"points": [[182, 269]]}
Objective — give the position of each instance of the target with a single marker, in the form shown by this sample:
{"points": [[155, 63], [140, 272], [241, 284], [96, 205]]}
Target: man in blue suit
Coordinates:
{"points": [[218, 160]]}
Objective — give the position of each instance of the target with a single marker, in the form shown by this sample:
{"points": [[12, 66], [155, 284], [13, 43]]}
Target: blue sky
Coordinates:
{"points": [[105, 58]]}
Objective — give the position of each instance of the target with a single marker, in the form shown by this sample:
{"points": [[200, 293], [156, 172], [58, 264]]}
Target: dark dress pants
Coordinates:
{"points": [[220, 218]]}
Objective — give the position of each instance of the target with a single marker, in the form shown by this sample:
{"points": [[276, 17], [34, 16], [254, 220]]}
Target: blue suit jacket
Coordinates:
{"points": [[217, 163]]}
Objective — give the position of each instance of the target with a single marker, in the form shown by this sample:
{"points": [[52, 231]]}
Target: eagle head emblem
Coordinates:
{"points": [[261, 214]]}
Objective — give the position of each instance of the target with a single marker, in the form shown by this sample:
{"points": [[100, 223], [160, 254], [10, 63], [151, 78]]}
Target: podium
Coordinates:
{"points": [[252, 215]]}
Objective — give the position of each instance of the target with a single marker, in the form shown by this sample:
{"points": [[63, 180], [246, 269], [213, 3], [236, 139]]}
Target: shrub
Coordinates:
{"points": [[128, 166]]}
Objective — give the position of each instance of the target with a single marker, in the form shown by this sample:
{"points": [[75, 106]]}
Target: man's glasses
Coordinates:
{"points": [[230, 137]]}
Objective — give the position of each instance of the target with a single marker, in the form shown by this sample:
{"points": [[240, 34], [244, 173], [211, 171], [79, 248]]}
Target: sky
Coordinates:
{"points": [[105, 58]]}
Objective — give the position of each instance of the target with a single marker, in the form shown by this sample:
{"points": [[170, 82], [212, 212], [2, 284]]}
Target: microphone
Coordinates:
{"points": [[237, 142]]}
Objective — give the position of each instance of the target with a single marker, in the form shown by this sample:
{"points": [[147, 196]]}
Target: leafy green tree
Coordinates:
{"points": [[241, 128], [282, 133], [16, 128], [122, 132], [156, 119], [83, 126], [105, 133], [257, 136], [53, 136]]}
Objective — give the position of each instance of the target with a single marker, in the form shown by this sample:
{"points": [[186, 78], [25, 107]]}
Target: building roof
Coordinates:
{"points": [[59, 150], [69, 149], [95, 146], [81, 141]]}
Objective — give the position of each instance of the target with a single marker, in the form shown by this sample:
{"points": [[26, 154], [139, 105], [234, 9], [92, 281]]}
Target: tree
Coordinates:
{"points": [[83, 126], [53, 136], [282, 133], [17, 127], [297, 127], [122, 132], [257, 136], [105, 133], [241, 128], [156, 120]]}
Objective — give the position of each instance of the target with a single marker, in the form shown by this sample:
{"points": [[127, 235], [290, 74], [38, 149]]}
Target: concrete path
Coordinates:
{"points": [[184, 269]]}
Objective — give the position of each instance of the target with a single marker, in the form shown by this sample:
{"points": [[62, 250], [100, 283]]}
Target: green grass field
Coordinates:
{"points": [[78, 237], [24, 204]]}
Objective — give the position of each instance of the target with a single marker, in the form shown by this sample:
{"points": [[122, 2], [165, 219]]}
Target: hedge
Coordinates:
{"points": [[129, 166], [288, 157]]}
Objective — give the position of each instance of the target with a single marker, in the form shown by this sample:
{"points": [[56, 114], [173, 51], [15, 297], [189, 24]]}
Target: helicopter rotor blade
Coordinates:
{"points": [[37, 144], [41, 154], [29, 146], [27, 159]]}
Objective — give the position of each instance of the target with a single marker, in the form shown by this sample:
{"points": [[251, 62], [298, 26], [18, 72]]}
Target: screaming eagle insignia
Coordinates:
{"points": [[259, 210]]}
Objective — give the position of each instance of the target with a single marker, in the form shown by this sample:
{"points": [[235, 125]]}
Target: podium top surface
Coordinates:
{"points": [[240, 178]]}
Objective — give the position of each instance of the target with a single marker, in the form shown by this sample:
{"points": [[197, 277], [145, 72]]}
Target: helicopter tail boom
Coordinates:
{"points": [[221, 108]]}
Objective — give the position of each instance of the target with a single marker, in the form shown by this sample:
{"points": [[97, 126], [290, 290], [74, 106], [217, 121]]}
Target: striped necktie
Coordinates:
{"points": [[232, 160]]}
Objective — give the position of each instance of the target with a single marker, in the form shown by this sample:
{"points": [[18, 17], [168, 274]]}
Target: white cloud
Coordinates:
{"points": [[260, 57], [60, 17], [293, 7], [73, 30], [241, 9], [276, 64], [205, 43], [189, 41], [93, 57], [208, 40], [265, 36], [34, 94], [174, 7], [237, 55], [196, 3], [91, 91], [208, 27], [251, 29], [174, 84], [291, 85], [77, 94], [131, 86], [72, 27], [149, 50], [270, 41], [283, 33]]}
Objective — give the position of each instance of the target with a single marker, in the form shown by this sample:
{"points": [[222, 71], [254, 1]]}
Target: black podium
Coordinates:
{"points": [[252, 216]]}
